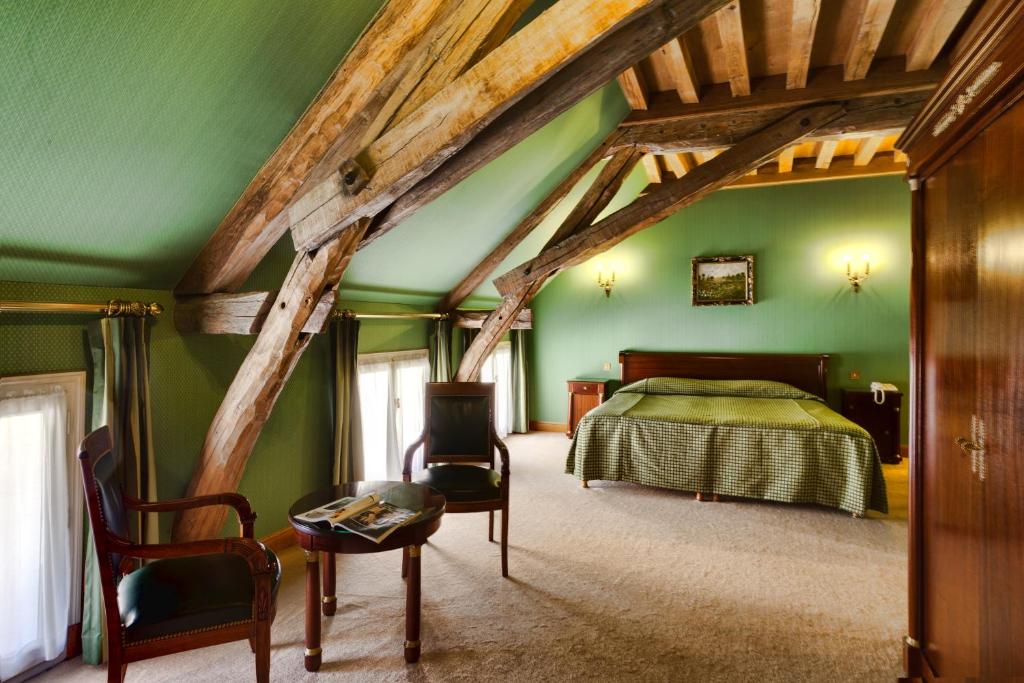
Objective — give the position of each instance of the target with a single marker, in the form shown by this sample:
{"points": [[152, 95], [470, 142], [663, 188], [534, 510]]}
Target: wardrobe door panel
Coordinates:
{"points": [[1000, 338]]}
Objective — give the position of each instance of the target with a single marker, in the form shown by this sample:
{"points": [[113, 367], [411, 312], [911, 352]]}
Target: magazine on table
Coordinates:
{"points": [[368, 516]]}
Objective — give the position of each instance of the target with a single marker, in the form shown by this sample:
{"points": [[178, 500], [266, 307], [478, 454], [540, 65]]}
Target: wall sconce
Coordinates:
{"points": [[606, 282], [857, 278]]}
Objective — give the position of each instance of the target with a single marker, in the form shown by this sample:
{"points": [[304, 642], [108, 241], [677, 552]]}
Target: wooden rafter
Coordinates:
{"points": [[593, 69], [497, 324], [730, 27], [826, 151], [634, 87], [482, 271], [786, 160], [866, 150], [943, 17], [801, 41], [668, 198], [261, 377], [874, 17], [411, 50], [677, 163], [806, 171], [239, 313], [414, 148], [677, 58], [474, 319], [651, 168]]}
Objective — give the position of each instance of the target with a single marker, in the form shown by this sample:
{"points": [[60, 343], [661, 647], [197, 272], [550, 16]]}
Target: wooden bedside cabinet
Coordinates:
{"points": [[881, 421], [584, 396]]}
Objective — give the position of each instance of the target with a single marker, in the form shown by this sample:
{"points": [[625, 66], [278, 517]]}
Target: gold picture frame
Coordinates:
{"points": [[722, 280]]}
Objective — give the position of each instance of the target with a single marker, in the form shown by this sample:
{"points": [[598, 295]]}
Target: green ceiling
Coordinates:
{"points": [[129, 129]]}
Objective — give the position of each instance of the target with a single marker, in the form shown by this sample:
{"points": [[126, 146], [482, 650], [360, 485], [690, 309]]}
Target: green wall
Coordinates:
{"points": [[189, 375], [798, 233]]}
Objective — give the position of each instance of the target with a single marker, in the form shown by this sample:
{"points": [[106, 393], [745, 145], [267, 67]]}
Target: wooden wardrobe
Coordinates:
{"points": [[967, 481]]}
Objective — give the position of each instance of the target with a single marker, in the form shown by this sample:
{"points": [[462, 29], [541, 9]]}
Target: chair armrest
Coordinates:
{"points": [[240, 503], [409, 452], [503, 452], [253, 552]]}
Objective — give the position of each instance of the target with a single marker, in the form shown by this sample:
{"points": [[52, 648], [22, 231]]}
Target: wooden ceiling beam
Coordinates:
{"points": [[261, 377], [785, 160], [806, 171], [405, 56], [729, 20], [379, 174], [483, 270], [824, 85], [651, 168], [941, 18], [474, 319], [581, 77], [866, 150], [494, 327], [680, 66], [804, 23], [668, 198], [826, 151], [873, 115], [239, 313], [874, 17], [634, 87]]}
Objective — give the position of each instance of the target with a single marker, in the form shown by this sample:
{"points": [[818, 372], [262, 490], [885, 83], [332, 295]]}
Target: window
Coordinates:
{"points": [[498, 369], [391, 390], [41, 516]]}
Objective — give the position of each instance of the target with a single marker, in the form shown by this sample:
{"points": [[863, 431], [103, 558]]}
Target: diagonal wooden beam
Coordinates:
{"points": [[825, 153], [669, 198], [801, 41], [680, 66], [941, 18], [482, 271], [497, 324], [261, 377], [634, 87], [414, 148], [592, 70], [874, 17], [407, 54], [734, 47]]}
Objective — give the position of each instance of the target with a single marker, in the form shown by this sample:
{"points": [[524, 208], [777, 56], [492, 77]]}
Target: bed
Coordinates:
{"points": [[744, 425]]}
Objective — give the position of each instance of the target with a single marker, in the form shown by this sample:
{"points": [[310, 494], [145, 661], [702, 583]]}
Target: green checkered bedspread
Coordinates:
{"points": [[747, 438]]}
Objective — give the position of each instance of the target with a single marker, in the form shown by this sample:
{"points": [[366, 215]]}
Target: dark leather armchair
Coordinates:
{"points": [[458, 431], [188, 595]]}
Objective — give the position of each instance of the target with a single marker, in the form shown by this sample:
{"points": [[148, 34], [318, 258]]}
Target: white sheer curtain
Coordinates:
{"points": [[391, 391], [35, 575], [498, 369]]}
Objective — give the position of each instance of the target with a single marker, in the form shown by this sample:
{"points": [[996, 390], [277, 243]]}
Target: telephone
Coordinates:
{"points": [[879, 389]]}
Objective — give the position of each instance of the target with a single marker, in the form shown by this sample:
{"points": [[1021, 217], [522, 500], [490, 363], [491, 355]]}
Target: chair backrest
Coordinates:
{"points": [[459, 422], [105, 503]]}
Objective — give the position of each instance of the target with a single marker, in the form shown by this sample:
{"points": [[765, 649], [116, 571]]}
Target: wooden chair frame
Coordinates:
{"points": [[120, 653], [496, 444]]}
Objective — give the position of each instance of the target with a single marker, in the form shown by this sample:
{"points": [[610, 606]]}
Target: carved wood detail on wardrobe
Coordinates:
{"points": [[966, 505]]}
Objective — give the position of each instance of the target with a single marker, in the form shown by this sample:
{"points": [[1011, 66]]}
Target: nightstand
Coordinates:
{"points": [[584, 396], [881, 421]]}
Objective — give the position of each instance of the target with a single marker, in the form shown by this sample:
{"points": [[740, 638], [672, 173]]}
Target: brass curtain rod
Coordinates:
{"points": [[115, 308], [348, 313]]}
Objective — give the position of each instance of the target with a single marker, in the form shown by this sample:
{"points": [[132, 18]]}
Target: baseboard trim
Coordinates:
{"points": [[538, 426], [280, 539]]}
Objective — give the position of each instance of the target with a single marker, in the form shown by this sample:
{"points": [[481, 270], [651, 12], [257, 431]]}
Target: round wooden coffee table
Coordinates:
{"points": [[315, 540]]}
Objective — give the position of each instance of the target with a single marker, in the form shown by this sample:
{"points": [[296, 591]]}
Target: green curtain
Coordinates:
{"points": [[348, 432], [119, 399], [520, 408], [441, 352]]}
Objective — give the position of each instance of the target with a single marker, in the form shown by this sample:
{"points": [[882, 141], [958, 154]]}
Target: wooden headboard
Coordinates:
{"points": [[805, 371]]}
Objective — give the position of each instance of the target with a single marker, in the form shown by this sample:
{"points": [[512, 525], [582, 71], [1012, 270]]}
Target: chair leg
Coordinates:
{"points": [[115, 671], [504, 540], [490, 526], [261, 646], [252, 644], [405, 562]]}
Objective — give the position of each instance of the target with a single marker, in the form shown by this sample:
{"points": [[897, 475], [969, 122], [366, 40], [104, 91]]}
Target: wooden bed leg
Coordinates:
{"points": [[584, 484], [700, 496], [716, 498], [857, 516]]}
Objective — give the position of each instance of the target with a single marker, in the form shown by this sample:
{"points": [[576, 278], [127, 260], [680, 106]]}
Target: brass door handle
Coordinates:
{"points": [[968, 446]]}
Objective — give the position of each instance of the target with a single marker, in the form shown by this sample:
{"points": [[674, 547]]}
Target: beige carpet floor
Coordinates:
{"points": [[617, 582]]}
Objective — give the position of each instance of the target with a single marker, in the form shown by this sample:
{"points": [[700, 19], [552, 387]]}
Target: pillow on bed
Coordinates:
{"points": [[749, 388]]}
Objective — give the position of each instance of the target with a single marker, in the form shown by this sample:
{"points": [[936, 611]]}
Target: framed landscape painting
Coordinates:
{"points": [[722, 280]]}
